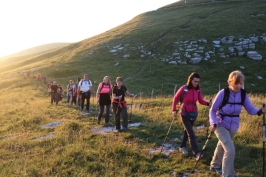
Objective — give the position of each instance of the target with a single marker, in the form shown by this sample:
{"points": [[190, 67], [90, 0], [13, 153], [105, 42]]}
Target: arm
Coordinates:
{"points": [[177, 97], [98, 92], [249, 107], [215, 106], [129, 94], [78, 89], [201, 100]]}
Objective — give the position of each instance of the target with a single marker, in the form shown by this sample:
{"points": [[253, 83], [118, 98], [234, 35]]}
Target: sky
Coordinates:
{"points": [[28, 23]]}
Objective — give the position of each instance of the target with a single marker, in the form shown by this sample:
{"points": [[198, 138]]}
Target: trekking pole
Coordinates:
{"points": [[167, 134], [263, 148], [203, 149], [131, 108]]}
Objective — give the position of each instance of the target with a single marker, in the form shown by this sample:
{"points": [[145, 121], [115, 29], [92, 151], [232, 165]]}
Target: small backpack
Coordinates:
{"points": [[82, 82], [226, 97], [184, 94]]}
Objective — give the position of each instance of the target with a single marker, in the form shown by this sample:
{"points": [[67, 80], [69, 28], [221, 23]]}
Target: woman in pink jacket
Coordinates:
{"points": [[189, 94], [104, 99]]}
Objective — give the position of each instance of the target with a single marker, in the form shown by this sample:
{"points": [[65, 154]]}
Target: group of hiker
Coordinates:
{"points": [[223, 115], [81, 91], [223, 118]]}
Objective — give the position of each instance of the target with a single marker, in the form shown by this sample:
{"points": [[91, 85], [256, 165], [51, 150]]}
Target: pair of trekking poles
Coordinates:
{"points": [[201, 152], [131, 105], [209, 137]]}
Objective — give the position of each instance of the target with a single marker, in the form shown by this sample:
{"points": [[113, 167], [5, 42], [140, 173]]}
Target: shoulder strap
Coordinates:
{"points": [[226, 97], [243, 96], [184, 94]]}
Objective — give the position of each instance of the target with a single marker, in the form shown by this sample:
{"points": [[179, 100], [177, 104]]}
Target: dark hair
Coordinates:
{"points": [[78, 79], [190, 78]]}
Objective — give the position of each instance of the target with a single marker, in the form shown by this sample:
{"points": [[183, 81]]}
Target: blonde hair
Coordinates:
{"points": [[70, 81], [107, 77], [236, 77]]}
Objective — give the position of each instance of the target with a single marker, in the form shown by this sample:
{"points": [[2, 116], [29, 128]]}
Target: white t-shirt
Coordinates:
{"points": [[85, 85]]}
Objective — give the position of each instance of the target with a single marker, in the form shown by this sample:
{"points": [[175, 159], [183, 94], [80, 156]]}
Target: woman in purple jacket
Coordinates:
{"points": [[224, 122]]}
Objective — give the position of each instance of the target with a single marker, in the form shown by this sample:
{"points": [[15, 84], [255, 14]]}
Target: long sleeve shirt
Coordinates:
{"points": [[230, 123], [189, 101]]}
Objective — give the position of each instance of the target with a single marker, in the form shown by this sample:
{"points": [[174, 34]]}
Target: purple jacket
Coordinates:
{"points": [[230, 123]]}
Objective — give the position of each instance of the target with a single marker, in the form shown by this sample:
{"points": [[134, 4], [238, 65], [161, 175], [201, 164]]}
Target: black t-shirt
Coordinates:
{"points": [[54, 88], [119, 92]]}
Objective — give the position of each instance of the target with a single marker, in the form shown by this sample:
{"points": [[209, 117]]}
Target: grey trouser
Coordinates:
{"points": [[117, 110], [224, 153]]}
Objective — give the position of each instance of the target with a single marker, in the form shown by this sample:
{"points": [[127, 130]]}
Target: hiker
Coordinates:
{"points": [[60, 92], [103, 98], [85, 90], [189, 94], [54, 94], [76, 96], [119, 104], [225, 121], [38, 76], [49, 89], [70, 92]]}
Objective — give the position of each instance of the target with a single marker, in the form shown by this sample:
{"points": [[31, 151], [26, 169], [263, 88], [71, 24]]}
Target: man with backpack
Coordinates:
{"points": [[85, 90], [225, 121]]}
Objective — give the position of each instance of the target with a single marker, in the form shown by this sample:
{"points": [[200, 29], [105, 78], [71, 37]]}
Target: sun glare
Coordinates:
{"points": [[29, 23]]}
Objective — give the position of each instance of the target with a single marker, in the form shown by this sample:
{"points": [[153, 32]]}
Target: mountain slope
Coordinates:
{"points": [[31, 52], [135, 50]]}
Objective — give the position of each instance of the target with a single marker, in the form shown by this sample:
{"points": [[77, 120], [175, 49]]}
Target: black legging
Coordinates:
{"points": [[189, 134]]}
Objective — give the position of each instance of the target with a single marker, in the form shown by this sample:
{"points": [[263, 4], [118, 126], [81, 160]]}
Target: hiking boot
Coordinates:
{"points": [[125, 129], [217, 170], [183, 150], [198, 156], [108, 125]]}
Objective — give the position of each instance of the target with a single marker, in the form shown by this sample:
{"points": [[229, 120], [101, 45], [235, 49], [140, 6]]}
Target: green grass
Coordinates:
{"points": [[76, 151]]}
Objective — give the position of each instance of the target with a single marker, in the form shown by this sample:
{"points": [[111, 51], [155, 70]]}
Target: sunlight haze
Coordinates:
{"points": [[29, 23]]}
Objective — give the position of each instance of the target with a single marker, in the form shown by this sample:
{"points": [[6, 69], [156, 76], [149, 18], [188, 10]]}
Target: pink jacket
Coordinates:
{"points": [[189, 102]]}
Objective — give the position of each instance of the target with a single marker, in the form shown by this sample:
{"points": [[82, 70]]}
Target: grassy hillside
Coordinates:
{"points": [[72, 149], [149, 37], [28, 53]]}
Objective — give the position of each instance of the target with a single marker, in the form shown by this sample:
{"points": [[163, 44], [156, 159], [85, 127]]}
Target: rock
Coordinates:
{"points": [[126, 56], [113, 51], [173, 62], [241, 53], [182, 62], [195, 60], [216, 42], [227, 62], [254, 55]]}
